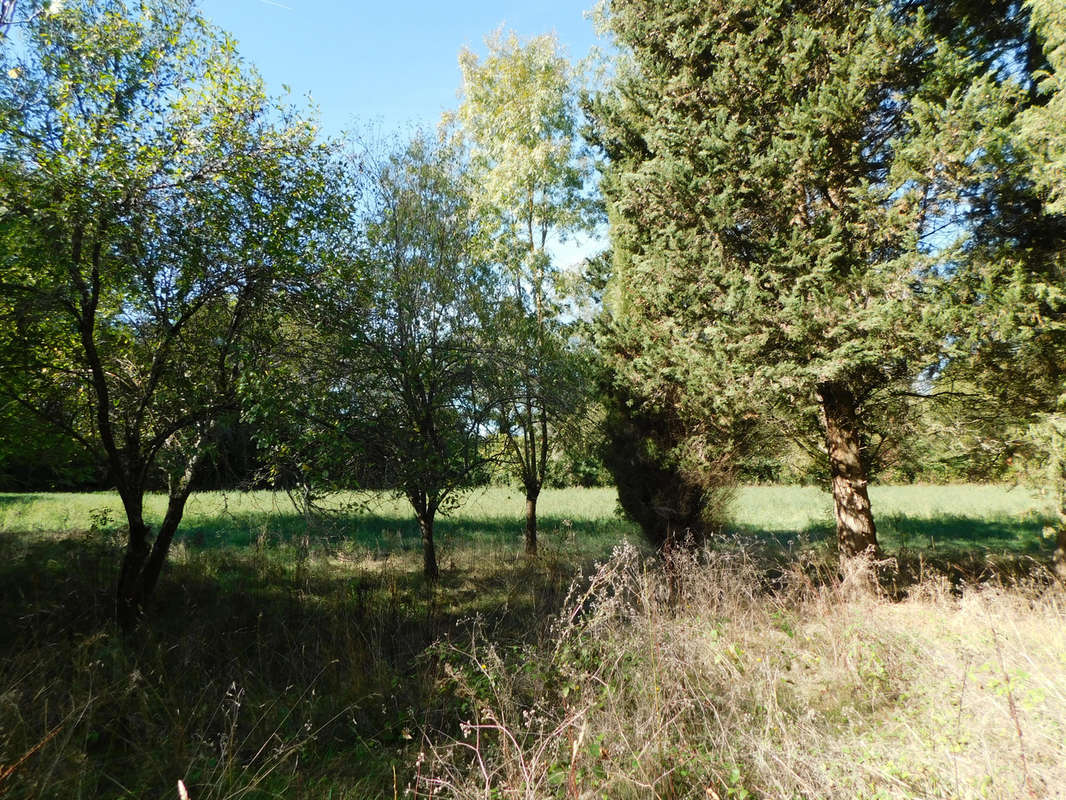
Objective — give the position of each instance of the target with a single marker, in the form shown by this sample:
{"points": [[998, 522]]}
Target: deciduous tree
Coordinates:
{"points": [[154, 206], [519, 115], [405, 320]]}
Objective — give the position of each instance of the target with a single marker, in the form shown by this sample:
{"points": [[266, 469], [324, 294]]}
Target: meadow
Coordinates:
{"points": [[305, 657], [953, 518]]}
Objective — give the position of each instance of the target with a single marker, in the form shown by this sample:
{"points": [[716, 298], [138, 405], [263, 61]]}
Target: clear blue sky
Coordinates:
{"points": [[392, 62]]}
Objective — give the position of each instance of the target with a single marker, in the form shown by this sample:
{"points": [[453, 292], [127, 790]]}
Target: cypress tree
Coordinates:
{"points": [[790, 184]]}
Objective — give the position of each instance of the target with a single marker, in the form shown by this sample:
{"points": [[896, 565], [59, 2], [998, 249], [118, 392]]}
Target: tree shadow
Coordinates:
{"points": [[383, 533], [946, 535], [11, 499], [356, 653], [959, 534]]}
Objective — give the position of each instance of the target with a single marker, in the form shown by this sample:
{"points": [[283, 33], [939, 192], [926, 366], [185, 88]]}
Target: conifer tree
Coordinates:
{"points": [[1042, 125], [790, 183]]}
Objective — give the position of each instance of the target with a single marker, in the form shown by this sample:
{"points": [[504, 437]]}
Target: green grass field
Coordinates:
{"points": [[954, 518], [950, 519], [376, 521]]}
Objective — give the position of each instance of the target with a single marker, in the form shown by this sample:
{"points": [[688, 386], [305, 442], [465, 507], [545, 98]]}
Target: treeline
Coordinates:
{"points": [[836, 249]]}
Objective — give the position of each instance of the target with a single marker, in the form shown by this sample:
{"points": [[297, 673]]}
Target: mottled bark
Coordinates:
{"points": [[1058, 559], [1060, 554], [856, 533]]}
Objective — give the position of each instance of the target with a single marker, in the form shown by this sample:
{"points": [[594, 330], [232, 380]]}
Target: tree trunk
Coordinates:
{"points": [[531, 521], [161, 547], [1058, 560], [856, 533], [128, 598], [143, 563], [429, 549]]}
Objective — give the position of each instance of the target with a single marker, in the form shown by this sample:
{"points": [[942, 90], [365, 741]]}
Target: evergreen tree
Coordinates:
{"points": [[790, 184], [1042, 125]]}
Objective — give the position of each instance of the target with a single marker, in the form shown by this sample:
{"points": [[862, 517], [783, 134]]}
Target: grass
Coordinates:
{"points": [[947, 521], [953, 519], [268, 671], [371, 521], [706, 687]]}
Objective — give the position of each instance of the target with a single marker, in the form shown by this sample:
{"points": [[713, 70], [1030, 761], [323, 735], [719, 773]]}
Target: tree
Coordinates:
{"points": [[1017, 356], [154, 207], [789, 183], [1042, 131], [519, 114], [1008, 362], [400, 376], [1041, 125]]}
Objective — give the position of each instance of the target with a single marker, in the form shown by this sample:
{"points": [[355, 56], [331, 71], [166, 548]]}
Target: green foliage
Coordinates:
{"points": [[673, 479], [154, 207], [1040, 125], [390, 384], [519, 115], [1005, 367], [519, 119], [788, 189]]}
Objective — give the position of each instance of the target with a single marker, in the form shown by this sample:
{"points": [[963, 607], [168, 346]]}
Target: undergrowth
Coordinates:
{"points": [[701, 683], [261, 673], [281, 670]]}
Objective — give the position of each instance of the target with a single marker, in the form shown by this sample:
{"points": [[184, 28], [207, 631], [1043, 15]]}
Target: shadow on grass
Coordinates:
{"points": [[245, 655], [381, 533], [946, 535], [959, 534], [10, 500], [253, 655]]}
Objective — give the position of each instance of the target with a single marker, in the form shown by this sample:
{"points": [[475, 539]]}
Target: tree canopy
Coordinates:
{"points": [[155, 204], [519, 117], [789, 183]]}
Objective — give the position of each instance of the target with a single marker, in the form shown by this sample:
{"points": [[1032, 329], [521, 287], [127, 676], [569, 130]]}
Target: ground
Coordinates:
{"points": [[282, 665]]}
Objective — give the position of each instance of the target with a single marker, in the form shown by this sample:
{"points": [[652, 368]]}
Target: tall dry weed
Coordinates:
{"points": [[696, 679]]}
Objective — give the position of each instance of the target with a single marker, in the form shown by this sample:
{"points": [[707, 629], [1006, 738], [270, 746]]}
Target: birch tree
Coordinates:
{"points": [[519, 114]]}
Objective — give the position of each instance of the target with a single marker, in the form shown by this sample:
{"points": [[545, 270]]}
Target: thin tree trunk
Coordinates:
{"points": [[856, 533], [531, 520], [1058, 560], [429, 549], [143, 563], [161, 546], [128, 599]]}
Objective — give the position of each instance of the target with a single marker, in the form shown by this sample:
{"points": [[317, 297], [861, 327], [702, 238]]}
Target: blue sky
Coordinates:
{"points": [[387, 62]]}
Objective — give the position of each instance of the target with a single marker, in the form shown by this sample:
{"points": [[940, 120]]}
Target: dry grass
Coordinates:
{"points": [[707, 685]]}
